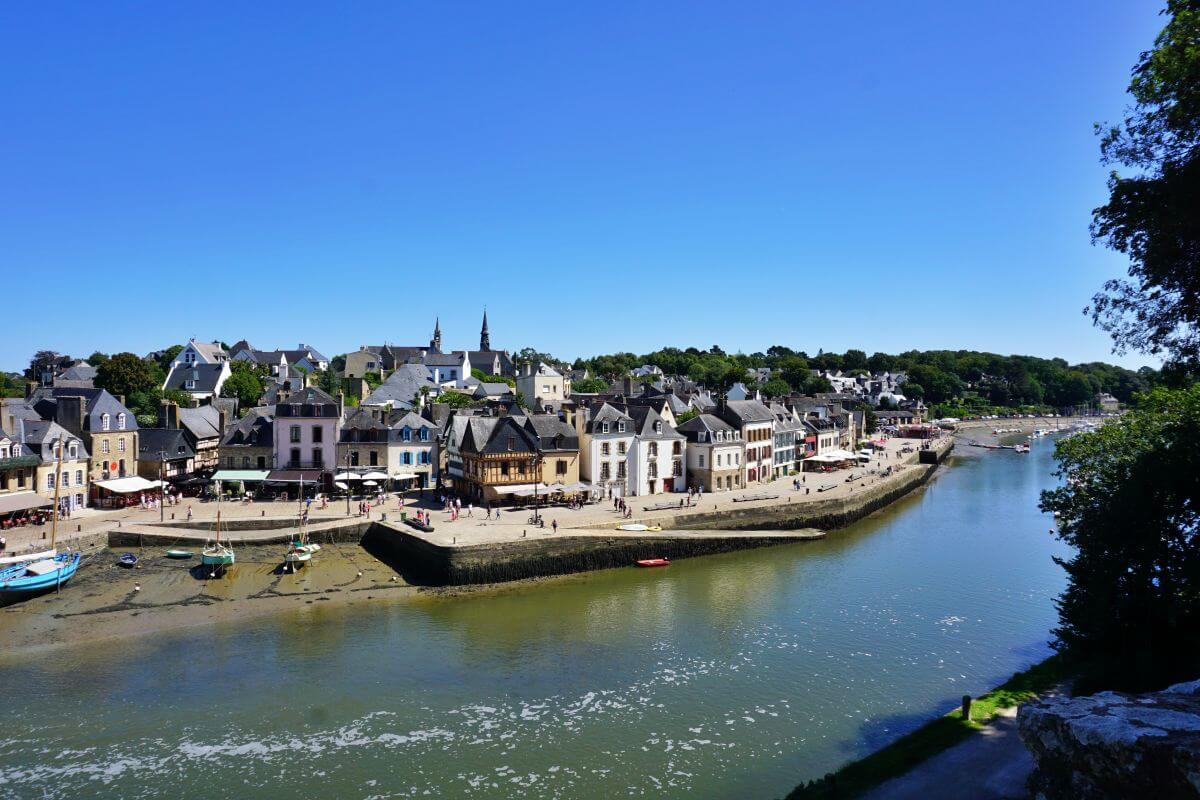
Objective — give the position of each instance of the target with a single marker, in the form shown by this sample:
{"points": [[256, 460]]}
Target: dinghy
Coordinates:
{"points": [[638, 527], [127, 560], [180, 554], [654, 562]]}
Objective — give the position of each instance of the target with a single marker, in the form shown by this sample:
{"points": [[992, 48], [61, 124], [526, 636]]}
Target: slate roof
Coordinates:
{"points": [[493, 389], [644, 418], [210, 350], [256, 429], [552, 433], [401, 387], [743, 411], [304, 402], [172, 442], [97, 402], [82, 371], [202, 423], [206, 377], [38, 435], [706, 425], [610, 414]]}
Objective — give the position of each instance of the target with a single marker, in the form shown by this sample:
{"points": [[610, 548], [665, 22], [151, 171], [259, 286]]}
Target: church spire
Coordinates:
{"points": [[485, 341], [436, 342]]}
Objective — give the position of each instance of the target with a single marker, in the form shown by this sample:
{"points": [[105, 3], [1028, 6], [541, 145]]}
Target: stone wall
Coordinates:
{"points": [[1112, 746], [539, 556]]}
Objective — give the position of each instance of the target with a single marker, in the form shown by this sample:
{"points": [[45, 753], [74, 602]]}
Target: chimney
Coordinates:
{"points": [[223, 416], [69, 413], [341, 398], [168, 415], [627, 386]]}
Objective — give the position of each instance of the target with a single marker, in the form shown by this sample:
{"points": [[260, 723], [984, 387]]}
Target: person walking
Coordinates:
{"points": [[554, 525]]}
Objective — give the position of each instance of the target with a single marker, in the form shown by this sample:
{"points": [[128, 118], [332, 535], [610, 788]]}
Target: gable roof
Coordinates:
{"points": [[96, 403], [744, 411], [253, 430], [401, 387], [644, 419], [202, 423], [207, 377], [172, 443]]}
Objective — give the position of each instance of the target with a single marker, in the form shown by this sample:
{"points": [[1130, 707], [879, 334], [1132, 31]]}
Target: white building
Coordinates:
{"points": [[606, 438], [201, 353], [307, 426], [656, 460], [544, 386]]}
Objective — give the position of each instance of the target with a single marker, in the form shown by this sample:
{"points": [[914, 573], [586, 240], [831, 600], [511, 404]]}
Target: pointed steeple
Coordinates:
{"points": [[436, 342], [485, 341]]}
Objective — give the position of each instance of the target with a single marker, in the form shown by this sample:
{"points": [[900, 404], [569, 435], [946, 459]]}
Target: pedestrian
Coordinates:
{"points": [[3, 544], [189, 514], [554, 525], [470, 510]]}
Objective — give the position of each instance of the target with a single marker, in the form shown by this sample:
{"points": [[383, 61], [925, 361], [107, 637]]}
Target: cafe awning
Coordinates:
{"points": [[241, 475], [294, 475], [404, 476], [375, 475], [21, 501], [133, 483]]}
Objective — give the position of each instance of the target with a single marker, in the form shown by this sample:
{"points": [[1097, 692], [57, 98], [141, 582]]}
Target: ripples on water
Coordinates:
{"points": [[729, 676]]}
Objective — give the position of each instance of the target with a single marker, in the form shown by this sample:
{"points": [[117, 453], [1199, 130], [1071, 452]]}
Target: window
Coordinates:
{"points": [[121, 445], [406, 457], [406, 435], [262, 462], [620, 470], [245, 462], [658, 426], [503, 467], [104, 446], [545, 388], [620, 448], [621, 427], [66, 479], [294, 434], [424, 457], [701, 461], [512, 443], [317, 410], [605, 472], [50, 480], [653, 449], [3, 452], [295, 461], [678, 468], [316, 433], [604, 427], [561, 467], [229, 462], [424, 434], [652, 473], [354, 458], [604, 450], [121, 421], [190, 384], [73, 449], [677, 448], [104, 422], [318, 457], [374, 458]]}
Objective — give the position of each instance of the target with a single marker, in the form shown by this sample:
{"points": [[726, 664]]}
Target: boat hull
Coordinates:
{"points": [[14, 580], [217, 559]]}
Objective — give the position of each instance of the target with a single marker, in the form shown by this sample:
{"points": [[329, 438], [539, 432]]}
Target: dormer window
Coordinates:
{"points": [[658, 427], [424, 434], [104, 422], [621, 427], [121, 421], [604, 428], [406, 435], [512, 443], [190, 385]]}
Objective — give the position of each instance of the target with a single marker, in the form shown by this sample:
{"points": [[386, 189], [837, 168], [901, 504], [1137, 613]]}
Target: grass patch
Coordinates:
{"points": [[897, 758]]}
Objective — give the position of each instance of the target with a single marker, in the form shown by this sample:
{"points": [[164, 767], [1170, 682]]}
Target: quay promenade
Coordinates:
{"points": [[473, 527]]}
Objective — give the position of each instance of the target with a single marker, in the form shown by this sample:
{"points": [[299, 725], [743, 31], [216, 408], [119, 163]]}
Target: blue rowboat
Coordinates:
{"points": [[127, 560], [39, 575]]}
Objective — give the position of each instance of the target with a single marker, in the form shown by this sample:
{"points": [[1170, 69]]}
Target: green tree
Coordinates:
{"points": [[776, 387], [1130, 511], [589, 386], [167, 356], [1151, 215], [456, 399], [124, 374], [97, 358], [41, 362], [684, 416], [816, 384], [245, 382], [854, 359]]}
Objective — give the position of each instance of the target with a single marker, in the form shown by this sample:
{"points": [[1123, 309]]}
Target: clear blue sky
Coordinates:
{"points": [[603, 176]]}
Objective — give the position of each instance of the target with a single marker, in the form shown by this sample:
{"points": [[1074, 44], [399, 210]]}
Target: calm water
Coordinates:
{"points": [[729, 676]]}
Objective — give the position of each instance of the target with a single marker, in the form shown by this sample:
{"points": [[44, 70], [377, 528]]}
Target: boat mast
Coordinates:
{"points": [[57, 485], [218, 512]]}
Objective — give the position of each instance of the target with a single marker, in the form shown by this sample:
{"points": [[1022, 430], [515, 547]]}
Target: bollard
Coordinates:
{"points": [[966, 707], [78, 528], [172, 515], [264, 512]]}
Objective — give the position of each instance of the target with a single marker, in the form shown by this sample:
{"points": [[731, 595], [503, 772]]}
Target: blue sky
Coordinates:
{"points": [[602, 176]]}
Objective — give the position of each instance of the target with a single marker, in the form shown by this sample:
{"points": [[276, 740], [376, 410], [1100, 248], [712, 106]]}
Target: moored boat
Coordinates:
{"points": [[217, 555], [48, 573], [638, 527], [179, 553], [127, 560], [654, 562]]}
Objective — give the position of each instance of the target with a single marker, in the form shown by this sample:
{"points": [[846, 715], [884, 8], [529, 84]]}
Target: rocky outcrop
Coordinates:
{"points": [[1113, 745]]}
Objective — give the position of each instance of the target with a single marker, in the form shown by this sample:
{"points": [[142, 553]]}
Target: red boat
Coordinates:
{"points": [[653, 562]]}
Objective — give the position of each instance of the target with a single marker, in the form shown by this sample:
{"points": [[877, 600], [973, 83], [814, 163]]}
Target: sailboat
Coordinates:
{"points": [[36, 572], [217, 555], [300, 551]]}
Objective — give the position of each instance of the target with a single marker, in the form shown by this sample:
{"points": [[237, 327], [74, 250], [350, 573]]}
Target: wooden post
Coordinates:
{"points": [[966, 707]]}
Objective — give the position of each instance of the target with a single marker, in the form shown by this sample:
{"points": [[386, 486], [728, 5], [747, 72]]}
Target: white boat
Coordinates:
{"points": [[300, 551], [217, 555], [29, 557]]}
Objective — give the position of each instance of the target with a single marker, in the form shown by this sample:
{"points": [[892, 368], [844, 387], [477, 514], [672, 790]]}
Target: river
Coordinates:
{"points": [[737, 675]]}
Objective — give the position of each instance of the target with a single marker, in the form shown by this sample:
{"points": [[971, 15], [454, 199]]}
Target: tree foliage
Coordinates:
{"points": [[245, 382], [41, 362], [1130, 509], [589, 386], [1151, 214], [125, 374]]}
